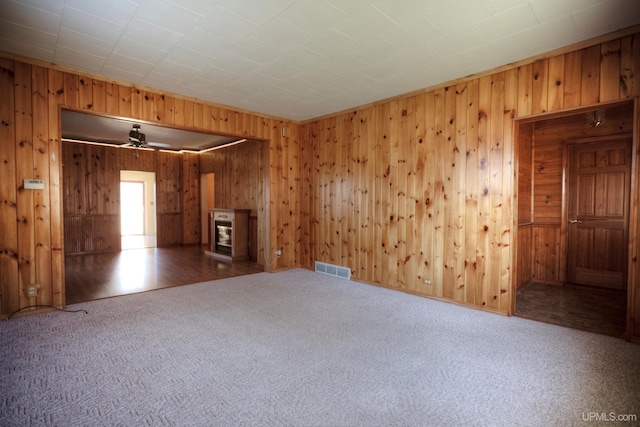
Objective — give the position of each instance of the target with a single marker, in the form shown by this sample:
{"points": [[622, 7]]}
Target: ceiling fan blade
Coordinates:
{"points": [[158, 144]]}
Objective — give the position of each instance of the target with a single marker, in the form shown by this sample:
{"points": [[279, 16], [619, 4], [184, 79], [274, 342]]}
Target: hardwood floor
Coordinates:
{"points": [[95, 276], [592, 309]]}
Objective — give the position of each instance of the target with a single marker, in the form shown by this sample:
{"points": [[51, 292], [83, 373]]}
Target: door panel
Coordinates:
{"points": [[598, 208]]}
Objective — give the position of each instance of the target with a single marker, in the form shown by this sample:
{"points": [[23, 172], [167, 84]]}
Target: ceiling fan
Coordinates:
{"points": [[137, 139]]}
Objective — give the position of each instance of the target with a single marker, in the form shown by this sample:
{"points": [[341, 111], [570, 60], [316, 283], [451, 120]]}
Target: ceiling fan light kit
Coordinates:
{"points": [[136, 138]]}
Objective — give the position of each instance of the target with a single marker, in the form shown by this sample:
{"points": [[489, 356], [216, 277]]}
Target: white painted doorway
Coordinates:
{"points": [[207, 195], [138, 209]]}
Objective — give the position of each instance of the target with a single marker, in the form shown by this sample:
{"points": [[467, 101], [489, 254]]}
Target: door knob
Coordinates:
{"points": [[575, 221]]}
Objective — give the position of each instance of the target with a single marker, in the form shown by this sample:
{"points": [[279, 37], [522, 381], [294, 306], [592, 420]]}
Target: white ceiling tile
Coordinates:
{"points": [[215, 73], [258, 12], [83, 43], [506, 49], [82, 22], [456, 66], [227, 26], [143, 52], [169, 16], [52, 6], [375, 51], [116, 11], [245, 90], [381, 70], [349, 7], [342, 64], [459, 14], [547, 33], [502, 5], [281, 35], [365, 24], [205, 43], [277, 70], [414, 33], [193, 60], [333, 80], [129, 75], [312, 16], [166, 74], [199, 7], [255, 50], [273, 91], [417, 55], [119, 61], [28, 16], [65, 56], [456, 42], [330, 43], [339, 79], [236, 64], [566, 41], [405, 11], [430, 73], [512, 21], [606, 16], [28, 36], [295, 85], [160, 81], [150, 34], [202, 85], [23, 49], [550, 10], [302, 57]]}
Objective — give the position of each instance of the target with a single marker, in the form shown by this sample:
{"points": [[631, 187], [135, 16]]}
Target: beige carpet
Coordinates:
{"points": [[303, 349]]}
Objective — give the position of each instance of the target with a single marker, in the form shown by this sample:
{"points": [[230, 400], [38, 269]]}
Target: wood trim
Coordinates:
{"points": [[564, 215], [633, 279]]}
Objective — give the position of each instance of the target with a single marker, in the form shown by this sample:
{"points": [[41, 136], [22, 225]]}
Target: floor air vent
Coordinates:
{"points": [[333, 270]]}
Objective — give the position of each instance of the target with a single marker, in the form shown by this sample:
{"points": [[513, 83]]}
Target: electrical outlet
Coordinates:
{"points": [[427, 281], [278, 252], [32, 291]]}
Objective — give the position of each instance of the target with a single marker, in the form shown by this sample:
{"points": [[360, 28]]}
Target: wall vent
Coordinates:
{"points": [[333, 270]]}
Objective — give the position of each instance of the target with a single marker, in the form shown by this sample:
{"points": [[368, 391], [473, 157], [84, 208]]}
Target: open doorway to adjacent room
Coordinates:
{"points": [[138, 209], [207, 202], [574, 181]]}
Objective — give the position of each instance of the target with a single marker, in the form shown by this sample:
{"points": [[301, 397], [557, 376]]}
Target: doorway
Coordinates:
{"points": [[137, 209], [207, 202], [574, 180]]}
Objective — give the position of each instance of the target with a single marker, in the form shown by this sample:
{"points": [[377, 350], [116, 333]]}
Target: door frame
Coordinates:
{"points": [[633, 271]]}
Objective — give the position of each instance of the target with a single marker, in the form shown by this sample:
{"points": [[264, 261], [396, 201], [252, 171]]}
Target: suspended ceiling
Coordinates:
{"points": [[299, 59]]}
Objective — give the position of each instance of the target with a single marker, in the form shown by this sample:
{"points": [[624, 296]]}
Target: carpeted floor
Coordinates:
{"points": [[304, 349]]}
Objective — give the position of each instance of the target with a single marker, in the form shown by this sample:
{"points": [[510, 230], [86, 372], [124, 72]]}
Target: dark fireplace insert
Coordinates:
{"points": [[223, 234]]}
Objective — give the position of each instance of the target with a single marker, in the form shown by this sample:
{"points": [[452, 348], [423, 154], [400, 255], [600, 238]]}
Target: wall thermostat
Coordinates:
{"points": [[34, 184]]}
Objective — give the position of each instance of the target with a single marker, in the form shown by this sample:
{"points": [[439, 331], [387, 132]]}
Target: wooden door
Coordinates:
{"points": [[598, 210]]}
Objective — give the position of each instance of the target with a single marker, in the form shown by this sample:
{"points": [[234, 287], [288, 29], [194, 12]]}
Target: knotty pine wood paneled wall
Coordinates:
{"points": [[524, 262], [90, 198], [91, 195], [31, 221], [240, 174], [423, 187]]}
